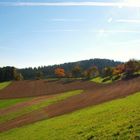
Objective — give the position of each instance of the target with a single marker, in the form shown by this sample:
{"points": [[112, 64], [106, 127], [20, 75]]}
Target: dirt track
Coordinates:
{"points": [[94, 94]]}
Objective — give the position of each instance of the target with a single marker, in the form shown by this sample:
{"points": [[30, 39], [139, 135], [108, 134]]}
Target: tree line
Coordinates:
{"points": [[48, 71], [10, 73], [126, 70], [89, 69]]}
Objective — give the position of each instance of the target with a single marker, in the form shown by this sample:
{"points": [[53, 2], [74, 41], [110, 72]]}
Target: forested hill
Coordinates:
{"points": [[48, 71]]}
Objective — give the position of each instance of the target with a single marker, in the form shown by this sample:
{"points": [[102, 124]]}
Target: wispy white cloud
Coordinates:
{"points": [[57, 30], [122, 31], [110, 20], [128, 21], [103, 31], [66, 20], [99, 4]]}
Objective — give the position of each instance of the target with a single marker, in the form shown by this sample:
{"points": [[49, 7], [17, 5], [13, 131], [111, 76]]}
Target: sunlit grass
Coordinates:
{"points": [[45, 103], [119, 119], [4, 103], [100, 80], [4, 84]]}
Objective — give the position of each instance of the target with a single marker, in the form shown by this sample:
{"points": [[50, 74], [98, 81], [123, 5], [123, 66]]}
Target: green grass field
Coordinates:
{"points": [[100, 80], [106, 80], [25, 110], [4, 84], [9, 102], [118, 119]]}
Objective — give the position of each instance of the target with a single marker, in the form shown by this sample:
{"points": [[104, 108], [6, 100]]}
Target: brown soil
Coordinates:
{"points": [[94, 94], [42, 87], [21, 105]]}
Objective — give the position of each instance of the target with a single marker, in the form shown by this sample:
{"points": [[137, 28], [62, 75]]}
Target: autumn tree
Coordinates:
{"points": [[107, 71], [76, 71], [119, 69], [17, 75], [130, 67], [59, 72], [91, 72], [68, 74], [10, 73]]}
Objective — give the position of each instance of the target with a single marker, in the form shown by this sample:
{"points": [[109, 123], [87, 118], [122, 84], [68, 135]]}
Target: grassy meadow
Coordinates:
{"points": [[4, 85], [100, 80], [4, 103], [118, 119], [27, 109]]}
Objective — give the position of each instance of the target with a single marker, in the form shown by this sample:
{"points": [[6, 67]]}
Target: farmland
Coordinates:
{"points": [[49, 99], [4, 84], [69, 70], [117, 119]]}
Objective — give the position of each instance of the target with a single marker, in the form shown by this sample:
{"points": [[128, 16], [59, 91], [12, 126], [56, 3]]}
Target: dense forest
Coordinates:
{"points": [[86, 69], [48, 71], [11, 73]]}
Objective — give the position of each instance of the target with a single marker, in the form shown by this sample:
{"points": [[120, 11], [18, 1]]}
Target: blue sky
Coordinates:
{"points": [[45, 32]]}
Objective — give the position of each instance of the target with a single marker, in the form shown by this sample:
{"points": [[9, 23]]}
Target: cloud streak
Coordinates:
{"points": [[57, 30], [68, 4], [102, 31], [66, 20], [128, 21]]}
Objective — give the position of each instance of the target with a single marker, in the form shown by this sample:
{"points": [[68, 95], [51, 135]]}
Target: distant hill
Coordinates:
{"points": [[48, 71]]}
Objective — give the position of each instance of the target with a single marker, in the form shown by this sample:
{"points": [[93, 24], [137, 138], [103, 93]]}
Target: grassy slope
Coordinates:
{"points": [[100, 80], [45, 103], [97, 80], [9, 102], [119, 119], [4, 84]]}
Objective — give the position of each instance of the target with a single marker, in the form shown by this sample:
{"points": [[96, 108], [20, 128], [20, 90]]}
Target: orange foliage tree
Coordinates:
{"points": [[91, 72], [60, 72], [119, 69]]}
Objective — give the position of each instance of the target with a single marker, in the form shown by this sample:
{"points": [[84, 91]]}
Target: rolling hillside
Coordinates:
{"points": [[42, 91], [119, 119]]}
